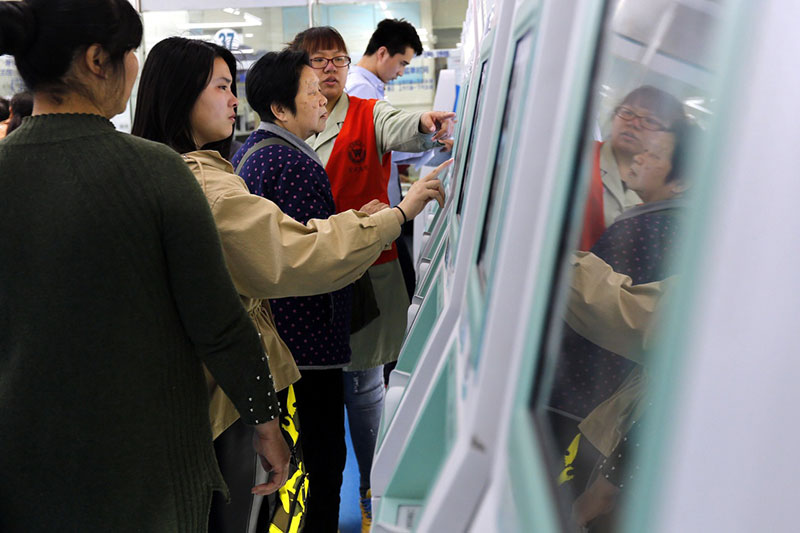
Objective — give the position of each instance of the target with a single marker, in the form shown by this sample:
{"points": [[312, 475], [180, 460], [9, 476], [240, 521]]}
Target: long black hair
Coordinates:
{"points": [[45, 36], [4, 112], [175, 72], [21, 107]]}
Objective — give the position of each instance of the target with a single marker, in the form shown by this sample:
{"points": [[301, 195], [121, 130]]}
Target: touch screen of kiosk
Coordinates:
{"points": [[503, 158], [461, 128], [475, 115]]}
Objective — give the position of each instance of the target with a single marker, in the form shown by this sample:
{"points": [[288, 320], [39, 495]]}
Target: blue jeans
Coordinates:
{"points": [[363, 397]]}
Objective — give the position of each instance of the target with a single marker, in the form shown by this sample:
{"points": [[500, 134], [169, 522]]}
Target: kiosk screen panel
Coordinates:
{"points": [[492, 217], [479, 103]]}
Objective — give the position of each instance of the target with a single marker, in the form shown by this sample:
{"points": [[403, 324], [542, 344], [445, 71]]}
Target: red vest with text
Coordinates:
{"points": [[594, 223], [356, 173]]}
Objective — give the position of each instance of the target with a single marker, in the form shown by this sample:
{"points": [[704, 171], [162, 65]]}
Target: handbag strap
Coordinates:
{"points": [[258, 146]]}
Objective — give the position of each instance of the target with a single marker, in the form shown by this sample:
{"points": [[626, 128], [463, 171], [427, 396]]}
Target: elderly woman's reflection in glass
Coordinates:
{"points": [[598, 378], [643, 113]]}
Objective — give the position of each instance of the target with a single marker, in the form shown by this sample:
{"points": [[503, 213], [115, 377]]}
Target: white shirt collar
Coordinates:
{"points": [[368, 77]]}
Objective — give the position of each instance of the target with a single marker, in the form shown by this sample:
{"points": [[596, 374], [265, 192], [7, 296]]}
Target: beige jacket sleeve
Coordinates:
{"points": [[271, 255], [610, 421], [607, 309], [396, 129]]}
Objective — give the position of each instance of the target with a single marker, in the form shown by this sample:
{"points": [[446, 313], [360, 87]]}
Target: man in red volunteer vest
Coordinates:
{"points": [[355, 148], [645, 111]]}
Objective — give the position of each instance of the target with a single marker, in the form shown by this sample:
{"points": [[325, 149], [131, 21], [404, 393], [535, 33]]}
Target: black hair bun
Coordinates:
{"points": [[17, 27]]}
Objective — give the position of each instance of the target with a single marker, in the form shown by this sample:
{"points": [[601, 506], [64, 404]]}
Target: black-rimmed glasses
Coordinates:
{"points": [[649, 123], [322, 62]]}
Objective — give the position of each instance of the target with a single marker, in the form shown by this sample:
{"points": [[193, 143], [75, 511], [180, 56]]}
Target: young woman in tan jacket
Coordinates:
{"points": [[187, 100]]}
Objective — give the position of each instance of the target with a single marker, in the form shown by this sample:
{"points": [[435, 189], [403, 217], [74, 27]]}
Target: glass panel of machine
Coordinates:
{"points": [[468, 147], [503, 156], [650, 103]]}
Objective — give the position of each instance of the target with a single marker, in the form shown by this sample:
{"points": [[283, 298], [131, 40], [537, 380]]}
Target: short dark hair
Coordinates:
{"points": [[396, 35], [661, 103], [175, 72], [21, 106], [44, 36], [275, 79], [687, 135], [318, 38]]}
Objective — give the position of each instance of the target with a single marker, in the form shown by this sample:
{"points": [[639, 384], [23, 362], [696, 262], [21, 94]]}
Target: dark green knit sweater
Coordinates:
{"points": [[113, 289]]}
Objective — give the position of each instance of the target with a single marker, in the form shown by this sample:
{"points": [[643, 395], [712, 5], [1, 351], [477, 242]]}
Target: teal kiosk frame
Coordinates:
{"points": [[435, 235], [546, 44], [430, 288], [417, 381]]}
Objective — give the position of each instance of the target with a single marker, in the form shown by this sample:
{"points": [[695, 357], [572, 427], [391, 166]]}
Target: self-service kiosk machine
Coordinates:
{"points": [[418, 386]]}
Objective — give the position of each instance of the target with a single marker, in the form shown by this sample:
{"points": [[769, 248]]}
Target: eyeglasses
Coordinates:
{"points": [[647, 122], [322, 62]]}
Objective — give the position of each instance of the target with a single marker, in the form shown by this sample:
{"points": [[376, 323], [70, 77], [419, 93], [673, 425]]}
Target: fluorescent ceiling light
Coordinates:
{"points": [[249, 21], [252, 18], [698, 104], [217, 25]]}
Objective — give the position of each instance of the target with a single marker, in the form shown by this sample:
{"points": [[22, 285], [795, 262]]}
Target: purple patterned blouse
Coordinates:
{"points": [[316, 328]]}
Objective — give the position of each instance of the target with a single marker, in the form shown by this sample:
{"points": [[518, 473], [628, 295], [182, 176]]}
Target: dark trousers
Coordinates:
{"points": [[320, 401], [404, 246], [240, 465]]}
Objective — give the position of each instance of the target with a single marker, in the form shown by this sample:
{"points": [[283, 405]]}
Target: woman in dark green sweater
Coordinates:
{"points": [[113, 290]]}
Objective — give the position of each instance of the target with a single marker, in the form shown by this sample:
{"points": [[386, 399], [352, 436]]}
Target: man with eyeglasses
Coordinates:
{"points": [[643, 112], [393, 45]]}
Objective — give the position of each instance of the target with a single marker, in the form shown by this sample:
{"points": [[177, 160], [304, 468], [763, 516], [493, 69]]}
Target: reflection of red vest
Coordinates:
{"points": [[356, 174], [594, 222]]}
